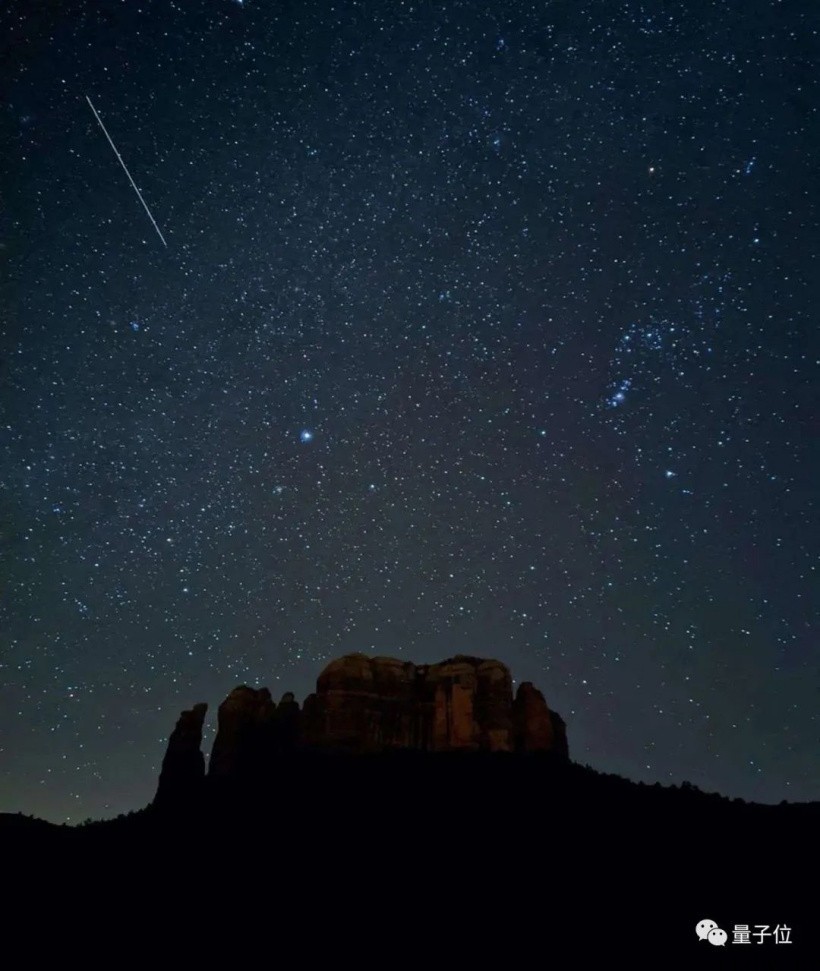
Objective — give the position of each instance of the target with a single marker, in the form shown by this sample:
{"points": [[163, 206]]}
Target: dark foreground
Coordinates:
{"points": [[459, 855]]}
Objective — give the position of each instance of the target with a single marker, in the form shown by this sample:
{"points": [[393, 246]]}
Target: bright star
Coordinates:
{"points": [[306, 435], [619, 397]]}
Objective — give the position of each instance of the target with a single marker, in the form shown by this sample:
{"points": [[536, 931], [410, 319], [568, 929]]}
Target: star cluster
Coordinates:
{"points": [[480, 329]]}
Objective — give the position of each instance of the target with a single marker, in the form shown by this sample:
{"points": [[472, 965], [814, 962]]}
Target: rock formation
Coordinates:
{"points": [[183, 768], [374, 703], [364, 703], [368, 704], [532, 725], [244, 736], [559, 734], [287, 724]]}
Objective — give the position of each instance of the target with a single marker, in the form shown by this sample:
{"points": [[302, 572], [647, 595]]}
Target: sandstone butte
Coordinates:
{"points": [[366, 704]]}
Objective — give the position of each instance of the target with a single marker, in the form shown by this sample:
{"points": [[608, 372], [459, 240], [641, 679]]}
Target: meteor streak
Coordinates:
{"points": [[133, 183]]}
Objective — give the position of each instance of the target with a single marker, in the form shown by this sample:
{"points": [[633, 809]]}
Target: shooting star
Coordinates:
{"points": [[133, 183]]}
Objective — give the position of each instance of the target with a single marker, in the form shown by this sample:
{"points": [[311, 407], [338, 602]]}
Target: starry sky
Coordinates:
{"points": [[480, 328]]}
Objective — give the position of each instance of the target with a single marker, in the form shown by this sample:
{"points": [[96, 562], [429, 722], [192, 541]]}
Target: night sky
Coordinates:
{"points": [[484, 328]]}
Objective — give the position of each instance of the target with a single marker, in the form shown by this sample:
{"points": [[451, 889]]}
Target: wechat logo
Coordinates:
{"points": [[708, 930]]}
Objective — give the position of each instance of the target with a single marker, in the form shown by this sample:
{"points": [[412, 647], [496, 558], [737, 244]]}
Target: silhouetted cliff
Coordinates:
{"points": [[402, 797], [183, 767], [365, 705]]}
